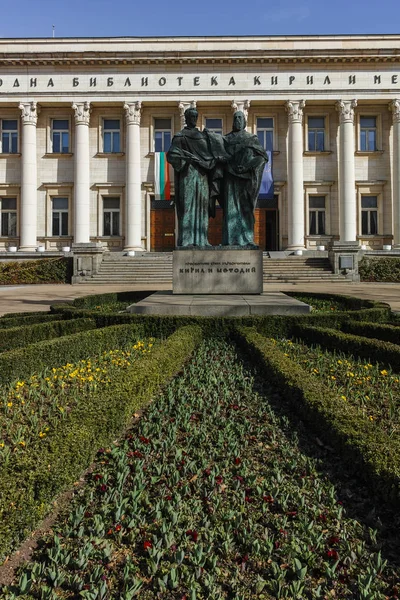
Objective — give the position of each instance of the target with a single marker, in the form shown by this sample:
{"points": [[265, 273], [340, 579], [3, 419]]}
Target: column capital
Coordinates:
{"points": [[30, 112], [184, 105], [294, 109], [394, 106], [82, 112], [242, 105], [133, 112], [346, 110]]}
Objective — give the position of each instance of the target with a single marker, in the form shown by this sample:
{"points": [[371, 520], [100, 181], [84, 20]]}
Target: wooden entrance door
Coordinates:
{"points": [[162, 228]]}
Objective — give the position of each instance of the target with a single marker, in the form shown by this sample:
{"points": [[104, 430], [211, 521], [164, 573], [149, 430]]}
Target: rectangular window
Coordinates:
{"points": [[316, 134], [265, 132], [111, 135], [59, 216], [9, 136], [316, 205], [162, 135], [111, 216], [214, 125], [60, 136], [8, 212], [368, 134], [369, 215]]}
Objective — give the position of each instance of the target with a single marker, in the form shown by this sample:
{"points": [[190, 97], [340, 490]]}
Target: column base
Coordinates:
{"points": [[28, 248], [133, 249], [293, 247]]}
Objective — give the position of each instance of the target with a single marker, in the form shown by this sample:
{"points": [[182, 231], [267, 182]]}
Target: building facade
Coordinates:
{"points": [[81, 121]]}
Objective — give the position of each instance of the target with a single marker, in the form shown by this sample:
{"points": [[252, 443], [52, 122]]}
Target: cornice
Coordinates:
{"points": [[261, 57]]}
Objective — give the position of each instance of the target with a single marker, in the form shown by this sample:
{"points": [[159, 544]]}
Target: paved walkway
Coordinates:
{"points": [[32, 298]]}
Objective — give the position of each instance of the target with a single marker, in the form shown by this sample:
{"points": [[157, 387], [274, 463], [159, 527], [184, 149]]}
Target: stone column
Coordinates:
{"points": [[294, 109], [82, 173], [243, 106], [347, 183], [28, 220], [395, 108], [184, 106], [133, 189]]}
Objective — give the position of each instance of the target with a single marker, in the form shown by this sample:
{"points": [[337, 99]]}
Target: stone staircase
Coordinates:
{"points": [[155, 268], [150, 269], [299, 269]]}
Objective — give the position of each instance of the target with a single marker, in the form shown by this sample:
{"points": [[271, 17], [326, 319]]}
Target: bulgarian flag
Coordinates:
{"points": [[162, 176]]}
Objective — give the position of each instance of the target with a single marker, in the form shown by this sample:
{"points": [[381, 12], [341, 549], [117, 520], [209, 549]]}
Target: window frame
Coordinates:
{"points": [[317, 211], [60, 212], [369, 113], [105, 190], [18, 135], [52, 130], [312, 189], [320, 115], [49, 137], [9, 211], [370, 189], [153, 130], [112, 212], [204, 122], [111, 117], [274, 118]]}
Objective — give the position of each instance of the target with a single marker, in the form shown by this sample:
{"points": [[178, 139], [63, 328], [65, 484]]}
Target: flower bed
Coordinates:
{"points": [[374, 390], [371, 349], [364, 447], [63, 417], [208, 498]]}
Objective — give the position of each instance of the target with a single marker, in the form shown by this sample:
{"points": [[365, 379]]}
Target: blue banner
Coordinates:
{"points": [[267, 181]]}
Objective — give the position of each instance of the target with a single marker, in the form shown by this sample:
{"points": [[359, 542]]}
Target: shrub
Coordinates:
{"points": [[379, 269], [17, 337], [385, 332], [29, 487], [45, 270], [19, 321], [358, 346], [364, 446]]}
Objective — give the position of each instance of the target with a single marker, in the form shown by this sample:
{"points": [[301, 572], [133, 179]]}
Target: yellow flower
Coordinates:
{"points": [[343, 398], [1, 444], [42, 435], [371, 418], [384, 372], [9, 404], [22, 443]]}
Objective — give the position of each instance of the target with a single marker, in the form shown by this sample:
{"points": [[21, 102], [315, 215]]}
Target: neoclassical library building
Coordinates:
{"points": [[85, 124]]}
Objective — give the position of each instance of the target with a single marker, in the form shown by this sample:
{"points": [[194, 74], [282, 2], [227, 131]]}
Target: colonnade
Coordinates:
{"points": [[133, 225]]}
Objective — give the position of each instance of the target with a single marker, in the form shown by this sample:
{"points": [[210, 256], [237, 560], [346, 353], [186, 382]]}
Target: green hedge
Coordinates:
{"points": [[29, 320], [111, 298], [380, 269], [385, 332], [272, 325], [18, 337], [44, 270], [22, 362], [364, 347], [33, 480], [362, 444]]}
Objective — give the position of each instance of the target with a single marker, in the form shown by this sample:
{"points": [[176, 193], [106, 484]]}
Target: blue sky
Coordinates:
{"points": [[111, 18]]}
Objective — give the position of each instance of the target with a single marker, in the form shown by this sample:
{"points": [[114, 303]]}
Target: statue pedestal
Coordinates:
{"points": [[217, 270]]}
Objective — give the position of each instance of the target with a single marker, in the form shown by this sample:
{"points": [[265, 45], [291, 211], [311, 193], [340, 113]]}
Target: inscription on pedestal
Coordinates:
{"points": [[214, 271]]}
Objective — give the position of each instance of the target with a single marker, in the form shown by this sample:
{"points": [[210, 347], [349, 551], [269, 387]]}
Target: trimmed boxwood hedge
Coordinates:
{"points": [[17, 321], [18, 337], [385, 353], [43, 270], [33, 479], [22, 362], [382, 331], [272, 325], [366, 448]]}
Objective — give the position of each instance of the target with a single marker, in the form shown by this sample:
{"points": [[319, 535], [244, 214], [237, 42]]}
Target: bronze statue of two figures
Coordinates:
{"points": [[210, 167]]}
